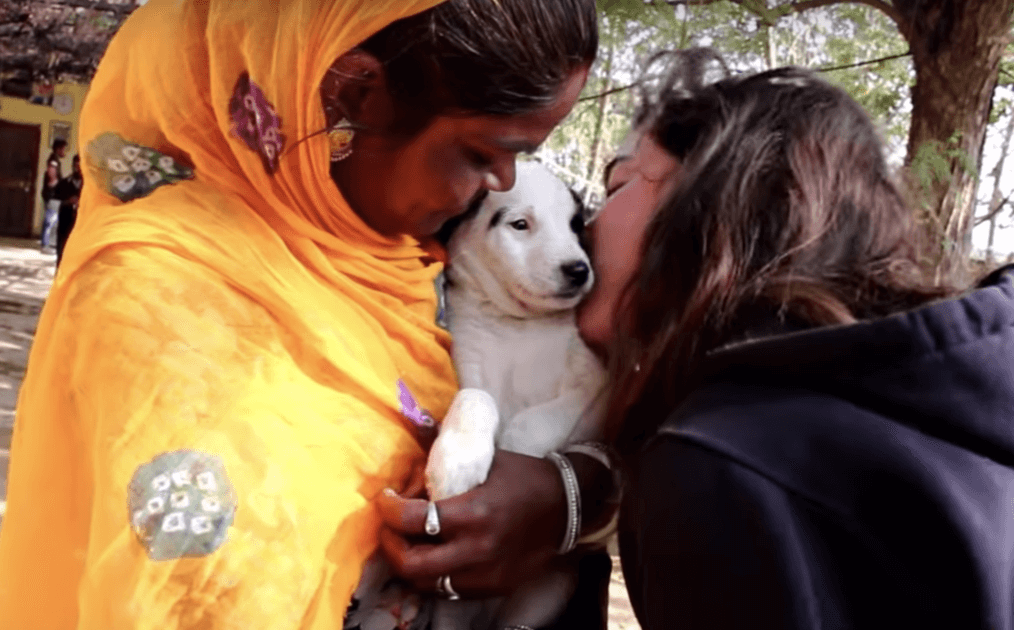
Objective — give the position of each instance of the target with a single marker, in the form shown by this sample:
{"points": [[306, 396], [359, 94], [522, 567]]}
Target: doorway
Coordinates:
{"points": [[19, 162]]}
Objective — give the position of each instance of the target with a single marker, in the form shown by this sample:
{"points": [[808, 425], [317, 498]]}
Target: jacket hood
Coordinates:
{"points": [[945, 369]]}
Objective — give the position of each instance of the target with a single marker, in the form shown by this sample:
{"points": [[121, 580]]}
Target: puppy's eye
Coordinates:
{"points": [[577, 224], [520, 225]]}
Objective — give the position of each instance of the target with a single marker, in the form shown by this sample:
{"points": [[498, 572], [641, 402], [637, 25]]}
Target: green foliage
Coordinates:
{"points": [[751, 35], [933, 165], [1007, 66], [930, 165], [1001, 108]]}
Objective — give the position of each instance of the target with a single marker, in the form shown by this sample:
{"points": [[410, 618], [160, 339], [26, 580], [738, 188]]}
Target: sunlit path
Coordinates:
{"points": [[25, 277]]}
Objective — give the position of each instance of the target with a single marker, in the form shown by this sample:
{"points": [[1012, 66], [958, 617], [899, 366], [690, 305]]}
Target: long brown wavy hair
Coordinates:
{"points": [[785, 207]]}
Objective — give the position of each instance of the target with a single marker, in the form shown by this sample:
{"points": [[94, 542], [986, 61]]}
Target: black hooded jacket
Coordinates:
{"points": [[858, 476]]}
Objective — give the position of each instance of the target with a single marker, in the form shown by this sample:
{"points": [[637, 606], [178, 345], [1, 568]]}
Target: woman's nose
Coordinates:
{"points": [[500, 177]]}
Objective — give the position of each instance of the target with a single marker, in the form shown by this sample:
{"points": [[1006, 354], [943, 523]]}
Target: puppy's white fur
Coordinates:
{"points": [[529, 384]]}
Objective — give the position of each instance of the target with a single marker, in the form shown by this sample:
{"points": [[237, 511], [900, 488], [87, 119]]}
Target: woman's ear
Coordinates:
{"points": [[355, 88]]}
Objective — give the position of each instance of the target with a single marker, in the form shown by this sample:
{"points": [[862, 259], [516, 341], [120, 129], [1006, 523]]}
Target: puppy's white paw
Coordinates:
{"points": [[463, 451]]}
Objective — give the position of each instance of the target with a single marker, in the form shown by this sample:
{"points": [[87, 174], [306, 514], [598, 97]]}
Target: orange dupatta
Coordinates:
{"points": [[228, 339]]}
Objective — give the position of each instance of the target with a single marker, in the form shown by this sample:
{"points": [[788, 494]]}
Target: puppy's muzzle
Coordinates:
{"points": [[576, 273]]}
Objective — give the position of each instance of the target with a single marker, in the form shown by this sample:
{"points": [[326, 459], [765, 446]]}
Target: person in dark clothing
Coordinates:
{"points": [[68, 191], [54, 173], [814, 436]]}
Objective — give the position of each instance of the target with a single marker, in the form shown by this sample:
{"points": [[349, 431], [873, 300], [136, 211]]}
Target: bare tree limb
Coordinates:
{"points": [[864, 63], [622, 88], [98, 5], [883, 7], [994, 211], [859, 64], [771, 15]]}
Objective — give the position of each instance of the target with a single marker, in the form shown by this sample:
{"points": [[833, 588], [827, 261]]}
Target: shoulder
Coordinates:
{"points": [[786, 431], [817, 498], [885, 478], [153, 291]]}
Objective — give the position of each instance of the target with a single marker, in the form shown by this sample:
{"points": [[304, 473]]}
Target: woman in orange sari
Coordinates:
{"points": [[240, 352]]}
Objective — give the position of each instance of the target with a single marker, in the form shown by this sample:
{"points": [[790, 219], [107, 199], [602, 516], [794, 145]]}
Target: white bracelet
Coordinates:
{"points": [[573, 492]]}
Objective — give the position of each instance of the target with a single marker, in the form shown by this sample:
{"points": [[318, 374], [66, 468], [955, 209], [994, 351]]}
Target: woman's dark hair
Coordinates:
{"points": [[483, 56], [784, 208]]}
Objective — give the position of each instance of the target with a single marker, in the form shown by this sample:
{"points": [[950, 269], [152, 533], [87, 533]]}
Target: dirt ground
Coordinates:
{"points": [[25, 278]]}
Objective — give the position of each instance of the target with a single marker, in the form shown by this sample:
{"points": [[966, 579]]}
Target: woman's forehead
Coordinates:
{"points": [[640, 152], [624, 153]]}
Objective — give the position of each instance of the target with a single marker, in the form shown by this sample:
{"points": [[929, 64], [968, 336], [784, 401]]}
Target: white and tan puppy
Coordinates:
{"points": [[516, 272]]}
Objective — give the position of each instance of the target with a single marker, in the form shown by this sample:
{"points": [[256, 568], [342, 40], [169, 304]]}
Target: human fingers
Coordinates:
{"points": [[416, 483], [422, 563], [405, 516], [467, 511]]}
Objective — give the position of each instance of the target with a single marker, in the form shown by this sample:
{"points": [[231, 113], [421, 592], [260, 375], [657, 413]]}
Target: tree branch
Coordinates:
{"points": [[995, 211], [771, 15], [622, 88], [806, 5], [98, 5], [864, 63]]}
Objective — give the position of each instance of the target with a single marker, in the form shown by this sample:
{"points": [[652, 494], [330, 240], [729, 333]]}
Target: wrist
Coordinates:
{"points": [[556, 497], [572, 494], [588, 491], [600, 484]]}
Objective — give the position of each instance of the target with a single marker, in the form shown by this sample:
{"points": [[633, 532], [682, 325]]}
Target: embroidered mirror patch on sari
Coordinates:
{"points": [[129, 171], [181, 505], [255, 122]]}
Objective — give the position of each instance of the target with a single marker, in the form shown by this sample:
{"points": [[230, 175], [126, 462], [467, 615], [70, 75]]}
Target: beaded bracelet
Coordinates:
{"points": [[573, 493]]}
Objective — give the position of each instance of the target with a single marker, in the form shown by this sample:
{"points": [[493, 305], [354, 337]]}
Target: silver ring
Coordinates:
{"points": [[432, 519], [444, 588]]}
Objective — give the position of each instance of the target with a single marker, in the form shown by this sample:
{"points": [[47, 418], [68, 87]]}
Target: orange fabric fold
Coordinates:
{"points": [[242, 316]]}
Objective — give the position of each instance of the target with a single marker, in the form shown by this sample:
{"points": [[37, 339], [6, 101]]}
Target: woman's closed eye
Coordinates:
{"points": [[478, 158], [616, 178], [615, 186]]}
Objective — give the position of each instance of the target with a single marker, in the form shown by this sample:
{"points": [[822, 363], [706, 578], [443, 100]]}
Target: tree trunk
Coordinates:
{"points": [[956, 47]]}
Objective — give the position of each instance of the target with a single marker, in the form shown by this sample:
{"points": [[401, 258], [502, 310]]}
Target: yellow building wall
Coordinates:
{"points": [[21, 111]]}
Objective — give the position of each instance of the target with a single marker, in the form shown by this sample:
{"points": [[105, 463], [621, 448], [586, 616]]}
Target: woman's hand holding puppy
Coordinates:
{"points": [[492, 538]]}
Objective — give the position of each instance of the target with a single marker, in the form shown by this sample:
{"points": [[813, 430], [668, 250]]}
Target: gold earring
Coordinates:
{"points": [[340, 137]]}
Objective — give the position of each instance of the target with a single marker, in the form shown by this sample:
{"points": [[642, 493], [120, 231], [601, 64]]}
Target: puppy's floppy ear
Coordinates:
{"points": [[446, 231], [579, 207], [579, 219]]}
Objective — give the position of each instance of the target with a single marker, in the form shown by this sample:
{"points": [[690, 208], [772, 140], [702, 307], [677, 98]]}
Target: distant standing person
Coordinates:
{"points": [[68, 191], [54, 173]]}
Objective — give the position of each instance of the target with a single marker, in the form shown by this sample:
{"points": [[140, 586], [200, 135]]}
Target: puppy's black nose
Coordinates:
{"points": [[576, 272]]}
